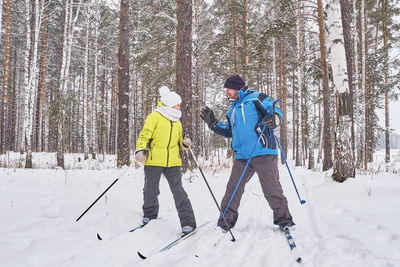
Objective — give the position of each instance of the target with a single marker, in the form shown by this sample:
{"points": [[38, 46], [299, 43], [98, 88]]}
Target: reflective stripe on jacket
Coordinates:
{"points": [[164, 139]]}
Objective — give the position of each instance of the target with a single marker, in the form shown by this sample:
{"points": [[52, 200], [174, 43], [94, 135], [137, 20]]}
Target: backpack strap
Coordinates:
{"points": [[267, 139], [260, 107]]}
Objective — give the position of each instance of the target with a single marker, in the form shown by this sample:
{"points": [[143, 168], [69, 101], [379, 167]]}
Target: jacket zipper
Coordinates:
{"points": [[169, 142]]}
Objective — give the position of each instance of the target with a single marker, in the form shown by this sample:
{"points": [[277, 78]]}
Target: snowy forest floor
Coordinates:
{"points": [[350, 224]]}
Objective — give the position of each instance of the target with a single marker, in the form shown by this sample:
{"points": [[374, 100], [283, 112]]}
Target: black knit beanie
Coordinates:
{"points": [[234, 82]]}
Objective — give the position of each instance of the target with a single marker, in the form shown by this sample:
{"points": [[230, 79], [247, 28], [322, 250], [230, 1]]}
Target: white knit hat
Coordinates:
{"points": [[169, 98]]}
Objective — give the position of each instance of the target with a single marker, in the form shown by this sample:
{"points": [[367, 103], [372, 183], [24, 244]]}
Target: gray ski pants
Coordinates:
{"points": [[266, 166], [151, 191]]}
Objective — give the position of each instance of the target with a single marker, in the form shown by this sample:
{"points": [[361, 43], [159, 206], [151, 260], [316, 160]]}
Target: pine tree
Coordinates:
{"points": [[123, 87], [327, 163], [4, 102], [184, 65]]}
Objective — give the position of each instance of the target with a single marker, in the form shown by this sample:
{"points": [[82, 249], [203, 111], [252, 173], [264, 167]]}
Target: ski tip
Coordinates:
{"points": [[141, 255], [299, 260], [99, 237]]}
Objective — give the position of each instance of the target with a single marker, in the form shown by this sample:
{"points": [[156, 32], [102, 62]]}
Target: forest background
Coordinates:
{"points": [[80, 76]]}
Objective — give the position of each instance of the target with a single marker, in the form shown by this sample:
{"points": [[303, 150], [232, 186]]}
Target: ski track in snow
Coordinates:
{"points": [[340, 224]]}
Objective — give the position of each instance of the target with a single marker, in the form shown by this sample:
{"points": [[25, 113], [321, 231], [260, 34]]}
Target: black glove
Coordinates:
{"points": [[208, 116], [272, 121]]}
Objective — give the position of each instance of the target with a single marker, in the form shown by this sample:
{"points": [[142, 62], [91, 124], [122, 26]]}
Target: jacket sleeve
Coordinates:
{"points": [[223, 129], [146, 132]]}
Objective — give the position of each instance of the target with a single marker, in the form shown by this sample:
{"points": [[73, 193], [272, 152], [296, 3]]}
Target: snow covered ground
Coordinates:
{"points": [[349, 224]]}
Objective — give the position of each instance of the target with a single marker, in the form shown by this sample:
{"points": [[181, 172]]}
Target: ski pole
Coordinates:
{"points": [[116, 180], [212, 194], [248, 161], [302, 201], [287, 166]]}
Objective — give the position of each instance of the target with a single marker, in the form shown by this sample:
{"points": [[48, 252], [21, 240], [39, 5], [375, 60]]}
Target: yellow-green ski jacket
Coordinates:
{"points": [[164, 139]]}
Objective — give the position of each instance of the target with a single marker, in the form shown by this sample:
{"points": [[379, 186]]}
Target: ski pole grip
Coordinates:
{"points": [[274, 104]]}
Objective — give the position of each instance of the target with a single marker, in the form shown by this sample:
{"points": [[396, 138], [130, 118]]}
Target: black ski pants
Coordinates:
{"points": [[151, 191]]}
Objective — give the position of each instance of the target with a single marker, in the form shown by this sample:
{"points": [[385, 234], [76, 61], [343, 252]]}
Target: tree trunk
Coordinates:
{"points": [[62, 81], [304, 125], [113, 116], [369, 122], [123, 90], [294, 112], [363, 71], [4, 109], [235, 39], [283, 96], [320, 122], [1, 16], [94, 144], [135, 107], [40, 115], [345, 10], [12, 110], [299, 73], [102, 116], [245, 56], [311, 160], [86, 85], [184, 65], [386, 70], [30, 94], [274, 74], [343, 164], [303, 98], [20, 100], [327, 162], [197, 99], [26, 75], [356, 88]]}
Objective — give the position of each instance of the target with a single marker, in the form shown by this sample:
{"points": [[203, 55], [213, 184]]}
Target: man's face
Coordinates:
{"points": [[232, 93]]}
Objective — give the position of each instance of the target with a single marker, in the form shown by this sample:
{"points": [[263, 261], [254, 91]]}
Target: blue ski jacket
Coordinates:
{"points": [[244, 124]]}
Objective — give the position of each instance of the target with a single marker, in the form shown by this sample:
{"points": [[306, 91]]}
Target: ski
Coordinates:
{"points": [[176, 241], [130, 231], [141, 226], [137, 227], [290, 241], [181, 238]]}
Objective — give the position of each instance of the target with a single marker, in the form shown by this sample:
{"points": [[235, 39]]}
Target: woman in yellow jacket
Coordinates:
{"points": [[158, 148]]}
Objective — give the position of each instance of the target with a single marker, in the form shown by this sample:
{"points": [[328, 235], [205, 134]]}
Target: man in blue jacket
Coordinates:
{"points": [[249, 112]]}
